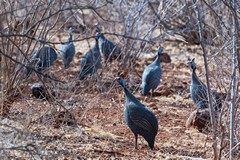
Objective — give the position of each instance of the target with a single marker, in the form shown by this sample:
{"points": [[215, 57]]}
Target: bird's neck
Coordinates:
{"points": [[70, 38], [129, 96], [194, 71], [195, 78], [102, 38], [96, 43], [157, 60]]}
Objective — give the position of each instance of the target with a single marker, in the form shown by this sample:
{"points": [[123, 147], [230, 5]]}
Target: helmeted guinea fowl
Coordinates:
{"points": [[139, 118], [198, 91], [91, 61], [41, 58], [108, 49], [40, 92], [152, 75], [67, 50]]}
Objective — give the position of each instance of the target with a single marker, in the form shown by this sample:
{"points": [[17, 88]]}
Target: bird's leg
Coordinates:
{"points": [[99, 83], [97, 80], [104, 60], [91, 83], [67, 72], [136, 137], [151, 94], [145, 99]]}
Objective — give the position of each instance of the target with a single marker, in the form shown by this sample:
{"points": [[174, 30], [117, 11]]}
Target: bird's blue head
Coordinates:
{"points": [[160, 50], [192, 63], [99, 35], [71, 30], [121, 82], [98, 27]]}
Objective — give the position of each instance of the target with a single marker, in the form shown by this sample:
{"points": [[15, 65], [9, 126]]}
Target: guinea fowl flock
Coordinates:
{"points": [[139, 118]]}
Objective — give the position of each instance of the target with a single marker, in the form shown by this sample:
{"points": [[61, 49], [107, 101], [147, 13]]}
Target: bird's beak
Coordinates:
{"points": [[116, 78]]}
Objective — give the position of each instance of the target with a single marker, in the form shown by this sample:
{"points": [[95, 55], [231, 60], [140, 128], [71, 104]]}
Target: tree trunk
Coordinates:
{"points": [[234, 76], [203, 45]]}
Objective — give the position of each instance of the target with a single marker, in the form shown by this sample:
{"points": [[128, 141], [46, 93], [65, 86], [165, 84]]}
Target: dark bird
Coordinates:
{"points": [[91, 61], [139, 118], [41, 59], [108, 49], [152, 75], [67, 50], [39, 91], [198, 91]]}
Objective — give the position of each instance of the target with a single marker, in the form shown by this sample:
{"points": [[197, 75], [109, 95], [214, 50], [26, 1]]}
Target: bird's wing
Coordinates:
{"points": [[64, 49], [202, 92], [71, 52], [200, 96], [110, 47], [144, 118], [152, 74], [87, 60]]}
